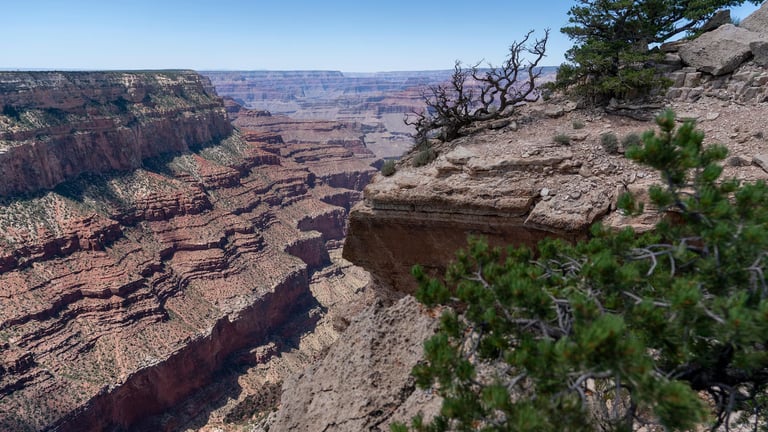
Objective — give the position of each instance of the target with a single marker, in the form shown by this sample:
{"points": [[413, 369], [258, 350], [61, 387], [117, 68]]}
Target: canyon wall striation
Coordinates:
{"points": [[375, 104], [372, 104], [147, 246], [56, 126]]}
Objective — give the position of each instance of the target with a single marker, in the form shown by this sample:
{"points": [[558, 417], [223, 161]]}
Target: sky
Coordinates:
{"points": [[351, 36]]}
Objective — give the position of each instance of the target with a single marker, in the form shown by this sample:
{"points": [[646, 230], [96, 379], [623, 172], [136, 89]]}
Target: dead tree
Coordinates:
{"points": [[477, 94]]}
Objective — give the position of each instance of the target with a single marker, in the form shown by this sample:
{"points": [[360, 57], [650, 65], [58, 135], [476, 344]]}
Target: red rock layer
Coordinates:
{"points": [[122, 292], [55, 126]]}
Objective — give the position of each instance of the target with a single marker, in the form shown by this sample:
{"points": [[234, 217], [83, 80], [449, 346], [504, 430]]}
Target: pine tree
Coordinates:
{"points": [[611, 56], [618, 332]]}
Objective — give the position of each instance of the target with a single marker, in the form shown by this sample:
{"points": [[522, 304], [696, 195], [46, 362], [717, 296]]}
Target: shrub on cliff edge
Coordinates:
{"points": [[424, 154], [476, 94], [388, 168], [619, 332]]}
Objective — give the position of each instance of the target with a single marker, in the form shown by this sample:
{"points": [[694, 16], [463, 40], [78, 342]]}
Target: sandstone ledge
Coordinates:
{"points": [[517, 187], [513, 191]]}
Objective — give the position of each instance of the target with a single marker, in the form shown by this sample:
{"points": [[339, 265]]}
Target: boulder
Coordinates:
{"points": [[720, 51], [554, 112], [672, 59], [671, 62], [760, 51], [757, 21]]}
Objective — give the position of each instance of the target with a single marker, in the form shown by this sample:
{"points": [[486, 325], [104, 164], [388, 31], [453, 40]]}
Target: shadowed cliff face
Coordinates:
{"points": [[166, 243]]}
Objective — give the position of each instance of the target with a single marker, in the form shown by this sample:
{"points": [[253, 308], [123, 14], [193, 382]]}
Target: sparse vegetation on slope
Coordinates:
{"points": [[630, 140], [610, 142], [388, 168], [562, 139], [424, 154]]}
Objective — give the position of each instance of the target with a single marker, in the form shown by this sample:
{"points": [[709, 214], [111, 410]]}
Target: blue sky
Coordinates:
{"points": [[352, 36]]}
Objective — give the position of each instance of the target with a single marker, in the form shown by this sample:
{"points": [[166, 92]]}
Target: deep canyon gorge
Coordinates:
{"points": [[216, 251], [375, 104], [149, 246]]}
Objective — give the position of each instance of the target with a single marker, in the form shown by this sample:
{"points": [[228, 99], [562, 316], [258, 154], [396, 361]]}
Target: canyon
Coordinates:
{"points": [[172, 260], [154, 240], [375, 104]]}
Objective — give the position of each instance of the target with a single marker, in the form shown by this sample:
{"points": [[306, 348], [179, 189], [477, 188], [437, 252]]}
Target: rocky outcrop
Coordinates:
{"points": [[723, 47], [513, 193], [517, 186], [748, 85], [720, 51], [133, 283], [725, 64]]}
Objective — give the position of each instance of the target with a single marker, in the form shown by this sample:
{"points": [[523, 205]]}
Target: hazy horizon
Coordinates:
{"points": [[295, 35], [416, 71]]}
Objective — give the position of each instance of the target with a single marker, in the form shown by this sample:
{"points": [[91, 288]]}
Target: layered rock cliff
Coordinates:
{"points": [[56, 126], [147, 247]]}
